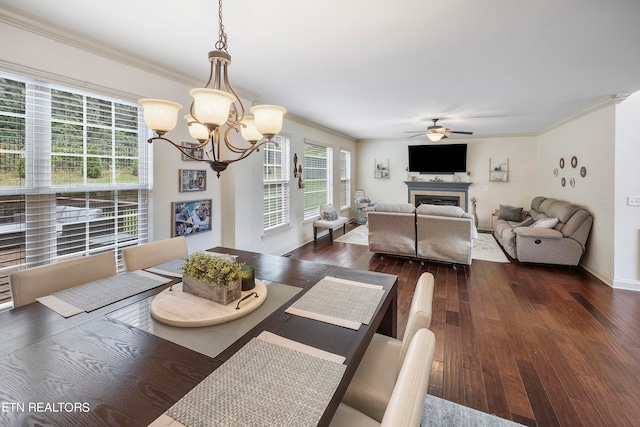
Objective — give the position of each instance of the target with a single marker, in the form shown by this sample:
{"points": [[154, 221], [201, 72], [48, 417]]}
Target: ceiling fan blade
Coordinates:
{"points": [[460, 132], [417, 134], [413, 131]]}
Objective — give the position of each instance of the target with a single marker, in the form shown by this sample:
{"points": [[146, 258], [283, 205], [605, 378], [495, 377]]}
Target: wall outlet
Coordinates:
{"points": [[633, 201]]}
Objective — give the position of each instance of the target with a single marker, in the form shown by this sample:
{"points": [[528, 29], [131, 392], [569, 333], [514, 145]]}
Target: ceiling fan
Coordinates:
{"points": [[436, 132]]}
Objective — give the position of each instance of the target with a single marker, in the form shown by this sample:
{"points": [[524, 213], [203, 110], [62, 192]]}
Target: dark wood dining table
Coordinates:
{"points": [[93, 370]]}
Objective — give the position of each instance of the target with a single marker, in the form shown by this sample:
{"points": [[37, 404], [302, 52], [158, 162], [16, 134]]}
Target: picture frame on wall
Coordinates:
{"points": [[190, 217], [192, 180], [198, 153]]}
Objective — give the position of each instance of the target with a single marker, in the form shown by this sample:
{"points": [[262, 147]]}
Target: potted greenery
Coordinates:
{"points": [[213, 277]]}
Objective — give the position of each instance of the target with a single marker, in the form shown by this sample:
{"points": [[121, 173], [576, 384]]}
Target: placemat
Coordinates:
{"points": [[263, 384], [339, 301], [170, 268], [99, 293]]}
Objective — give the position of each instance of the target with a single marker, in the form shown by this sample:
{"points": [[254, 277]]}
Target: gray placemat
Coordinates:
{"points": [[337, 298], [263, 384], [99, 293], [169, 267]]}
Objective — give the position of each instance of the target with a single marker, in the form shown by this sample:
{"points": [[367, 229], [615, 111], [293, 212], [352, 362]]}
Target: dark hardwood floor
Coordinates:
{"points": [[539, 345]]}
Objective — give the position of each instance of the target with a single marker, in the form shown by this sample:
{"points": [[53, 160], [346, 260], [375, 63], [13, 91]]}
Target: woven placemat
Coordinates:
{"points": [[169, 268], [341, 299], [263, 384], [99, 293]]}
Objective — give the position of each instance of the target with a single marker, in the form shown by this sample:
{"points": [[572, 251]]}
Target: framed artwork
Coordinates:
{"points": [[192, 180], [198, 153], [359, 194], [191, 217]]}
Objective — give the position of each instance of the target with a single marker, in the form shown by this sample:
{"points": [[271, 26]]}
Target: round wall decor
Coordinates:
{"points": [[563, 181], [555, 172], [574, 161], [572, 182], [583, 171], [561, 162]]}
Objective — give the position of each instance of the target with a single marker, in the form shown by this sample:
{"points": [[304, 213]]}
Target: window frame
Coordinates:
{"points": [[311, 207], [345, 179], [284, 143]]}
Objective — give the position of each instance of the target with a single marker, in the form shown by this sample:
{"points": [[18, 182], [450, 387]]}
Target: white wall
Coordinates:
{"points": [[627, 183], [591, 138], [518, 191]]}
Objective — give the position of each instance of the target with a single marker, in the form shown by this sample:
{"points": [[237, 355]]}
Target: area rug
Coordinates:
{"points": [[442, 413], [485, 247]]}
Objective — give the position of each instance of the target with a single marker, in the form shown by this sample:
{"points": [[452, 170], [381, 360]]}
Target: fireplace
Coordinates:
{"points": [[436, 200], [443, 193]]}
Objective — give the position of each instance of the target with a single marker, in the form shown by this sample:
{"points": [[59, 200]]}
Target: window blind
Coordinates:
{"points": [[276, 183], [317, 177], [345, 179], [75, 173]]}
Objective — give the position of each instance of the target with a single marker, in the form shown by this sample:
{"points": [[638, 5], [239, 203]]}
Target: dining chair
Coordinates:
{"points": [[154, 253], [409, 393], [27, 285], [372, 384]]}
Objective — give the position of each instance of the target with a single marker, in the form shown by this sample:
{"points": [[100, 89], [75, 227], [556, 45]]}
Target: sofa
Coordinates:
{"points": [[551, 232], [439, 233]]}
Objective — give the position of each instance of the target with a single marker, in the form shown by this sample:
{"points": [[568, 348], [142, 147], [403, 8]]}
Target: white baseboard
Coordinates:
{"points": [[632, 285]]}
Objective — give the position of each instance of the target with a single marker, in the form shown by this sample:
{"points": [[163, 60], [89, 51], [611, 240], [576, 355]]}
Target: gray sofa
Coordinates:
{"points": [[440, 233], [536, 237]]}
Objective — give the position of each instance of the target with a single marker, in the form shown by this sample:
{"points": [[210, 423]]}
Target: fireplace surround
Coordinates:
{"points": [[439, 192]]}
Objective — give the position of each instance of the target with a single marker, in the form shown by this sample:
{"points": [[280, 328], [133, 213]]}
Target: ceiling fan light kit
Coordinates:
{"points": [[214, 112]]}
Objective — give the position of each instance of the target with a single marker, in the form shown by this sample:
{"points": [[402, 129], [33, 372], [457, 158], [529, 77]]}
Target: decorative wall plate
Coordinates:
{"points": [[555, 172], [572, 182], [561, 162], [583, 171], [563, 181], [574, 161]]}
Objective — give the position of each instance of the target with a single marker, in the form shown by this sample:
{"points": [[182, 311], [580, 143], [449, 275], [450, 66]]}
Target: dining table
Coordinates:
{"points": [[116, 365]]}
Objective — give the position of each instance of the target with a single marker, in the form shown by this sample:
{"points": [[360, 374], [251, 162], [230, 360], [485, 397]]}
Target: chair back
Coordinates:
{"points": [[27, 285], [154, 253], [419, 313], [408, 396]]}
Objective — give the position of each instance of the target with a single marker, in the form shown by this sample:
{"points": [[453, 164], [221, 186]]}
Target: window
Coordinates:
{"points": [[74, 175], [317, 172], [345, 179], [276, 183]]}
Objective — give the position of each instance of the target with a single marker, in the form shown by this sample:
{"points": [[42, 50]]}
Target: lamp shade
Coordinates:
{"points": [[160, 115], [211, 106], [197, 130], [268, 118], [249, 131], [435, 136]]}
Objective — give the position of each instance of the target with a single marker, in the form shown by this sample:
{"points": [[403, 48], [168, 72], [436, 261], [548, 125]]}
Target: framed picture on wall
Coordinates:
{"points": [[192, 180], [190, 217], [198, 153]]}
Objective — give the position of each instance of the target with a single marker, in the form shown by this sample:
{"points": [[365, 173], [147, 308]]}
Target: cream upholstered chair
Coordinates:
{"points": [[27, 285], [154, 253], [371, 387], [409, 393]]}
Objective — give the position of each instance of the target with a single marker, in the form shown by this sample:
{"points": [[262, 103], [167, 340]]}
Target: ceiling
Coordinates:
{"points": [[373, 69]]}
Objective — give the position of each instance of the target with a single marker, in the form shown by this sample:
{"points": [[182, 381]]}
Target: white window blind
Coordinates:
{"points": [[75, 175], [345, 179], [276, 183], [317, 173]]}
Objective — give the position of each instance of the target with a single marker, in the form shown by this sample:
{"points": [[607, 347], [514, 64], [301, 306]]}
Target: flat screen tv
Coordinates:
{"points": [[438, 158]]}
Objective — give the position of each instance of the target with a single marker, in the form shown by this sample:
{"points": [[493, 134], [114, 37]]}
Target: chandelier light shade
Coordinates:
{"points": [[214, 113]]}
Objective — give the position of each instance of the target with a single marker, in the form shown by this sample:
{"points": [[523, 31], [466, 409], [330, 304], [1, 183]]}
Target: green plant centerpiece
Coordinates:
{"points": [[213, 277]]}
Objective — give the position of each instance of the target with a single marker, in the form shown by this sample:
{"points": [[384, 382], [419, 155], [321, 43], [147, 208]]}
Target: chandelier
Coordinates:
{"points": [[215, 111]]}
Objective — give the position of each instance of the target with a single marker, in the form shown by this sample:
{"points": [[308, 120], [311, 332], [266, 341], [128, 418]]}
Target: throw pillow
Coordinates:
{"points": [[510, 213], [330, 215], [527, 222], [546, 223]]}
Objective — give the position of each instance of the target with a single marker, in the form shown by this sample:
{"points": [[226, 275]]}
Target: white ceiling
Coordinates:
{"points": [[374, 69]]}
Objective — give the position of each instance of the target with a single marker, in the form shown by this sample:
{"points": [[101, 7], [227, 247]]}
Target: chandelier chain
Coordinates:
{"points": [[221, 44]]}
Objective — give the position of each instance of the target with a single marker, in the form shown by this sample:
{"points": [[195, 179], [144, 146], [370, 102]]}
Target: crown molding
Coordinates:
{"points": [[29, 23], [598, 105]]}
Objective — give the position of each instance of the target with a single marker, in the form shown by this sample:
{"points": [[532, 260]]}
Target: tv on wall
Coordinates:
{"points": [[438, 159]]}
